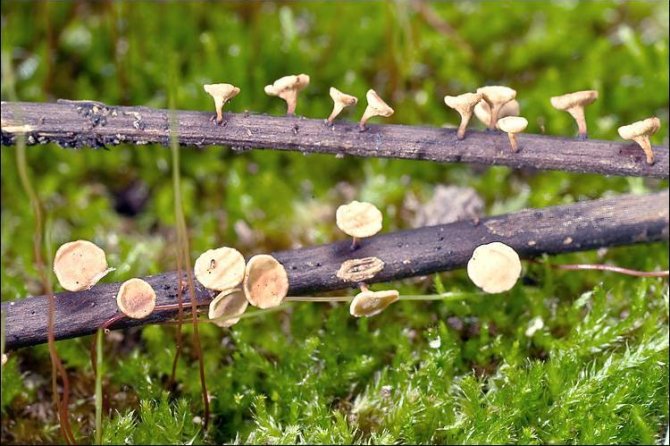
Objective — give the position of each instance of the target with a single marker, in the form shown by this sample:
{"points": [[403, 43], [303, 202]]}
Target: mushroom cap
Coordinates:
{"points": [[494, 267], [646, 127], [496, 94], [512, 124], [371, 303], [464, 102], [79, 265], [483, 110], [136, 299], [570, 100], [342, 98], [359, 219], [265, 281], [223, 91], [360, 270], [291, 82], [377, 104], [226, 305], [220, 269]]}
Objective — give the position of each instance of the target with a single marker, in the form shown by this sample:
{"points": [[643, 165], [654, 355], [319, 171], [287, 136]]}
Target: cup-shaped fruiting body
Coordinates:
{"points": [[340, 102], [358, 220], [640, 132], [360, 270], [79, 265], [496, 96], [220, 269], [265, 281], [494, 267], [287, 88], [574, 104], [483, 111], [222, 93], [370, 303], [136, 299], [376, 107], [464, 104], [513, 125], [227, 306]]}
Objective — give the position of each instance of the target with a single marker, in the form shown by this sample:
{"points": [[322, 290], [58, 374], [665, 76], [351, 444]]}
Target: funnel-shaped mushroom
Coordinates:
{"points": [[640, 132], [79, 265], [494, 267], [496, 96], [574, 104], [483, 111], [340, 101], [513, 125], [220, 269], [464, 104], [221, 93], [227, 306], [265, 281], [376, 107], [358, 219], [370, 303], [287, 88], [136, 299]]}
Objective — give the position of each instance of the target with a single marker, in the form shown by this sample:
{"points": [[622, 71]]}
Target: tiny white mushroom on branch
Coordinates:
{"points": [[640, 132], [494, 267], [358, 220], [136, 299], [265, 281], [370, 303], [574, 104], [483, 111], [376, 107], [464, 104], [287, 88], [220, 269], [496, 96], [79, 265], [221, 93], [340, 102], [227, 306], [513, 125]]}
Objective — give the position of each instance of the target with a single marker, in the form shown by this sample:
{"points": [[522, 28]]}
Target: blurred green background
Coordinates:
{"points": [[455, 372]]}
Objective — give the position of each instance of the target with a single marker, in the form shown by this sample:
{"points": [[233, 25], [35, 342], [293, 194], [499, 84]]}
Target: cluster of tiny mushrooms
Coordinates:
{"points": [[495, 106]]}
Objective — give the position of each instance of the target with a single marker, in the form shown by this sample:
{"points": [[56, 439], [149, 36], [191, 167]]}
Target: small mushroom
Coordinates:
{"points": [[136, 299], [496, 96], [464, 104], [370, 303], [79, 265], [340, 100], [494, 267], [4, 359], [222, 93], [640, 132], [513, 125], [574, 104], [360, 270], [483, 111], [220, 269], [376, 107], [226, 306], [287, 88], [265, 281], [358, 220]]}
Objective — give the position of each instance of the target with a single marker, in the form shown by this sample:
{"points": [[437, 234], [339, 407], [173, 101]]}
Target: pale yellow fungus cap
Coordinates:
{"points": [[340, 101], [496, 96], [79, 265], [574, 104], [512, 125], [227, 306], [4, 359], [220, 269], [221, 93], [495, 267], [376, 107], [464, 104], [359, 219], [287, 88], [640, 132], [265, 281], [370, 303], [136, 299], [483, 111]]}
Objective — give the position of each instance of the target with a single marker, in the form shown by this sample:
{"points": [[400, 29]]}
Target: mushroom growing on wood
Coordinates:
{"points": [[464, 104], [265, 281], [358, 219], [222, 93], [340, 102], [360, 270], [496, 96], [220, 269], [640, 132], [574, 104], [288, 88], [483, 111], [376, 107], [370, 303], [136, 299], [513, 125], [227, 306], [494, 267], [79, 265]]}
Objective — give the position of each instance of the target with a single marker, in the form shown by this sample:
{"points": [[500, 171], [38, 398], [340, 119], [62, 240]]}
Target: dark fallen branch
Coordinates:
{"points": [[92, 124], [587, 225]]}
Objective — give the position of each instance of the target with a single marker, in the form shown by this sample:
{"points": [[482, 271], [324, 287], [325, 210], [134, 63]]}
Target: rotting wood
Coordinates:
{"points": [[583, 226], [93, 124]]}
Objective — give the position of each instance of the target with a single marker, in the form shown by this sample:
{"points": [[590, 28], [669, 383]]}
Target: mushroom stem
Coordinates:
{"points": [[337, 109], [577, 113], [513, 142], [645, 143], [291, 98], [219, 110], [355, 243], [369, 113], [465, 119], [363, 286], [495, 109]]}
